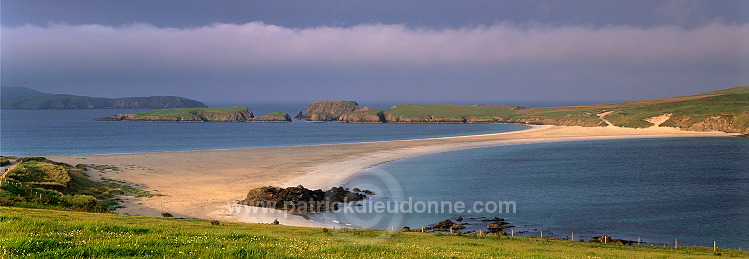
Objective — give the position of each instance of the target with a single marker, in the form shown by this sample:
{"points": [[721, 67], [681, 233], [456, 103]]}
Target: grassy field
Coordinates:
{"points": [[36, 233], [282, 114], [725, 110], [185, 112], [448, 111]]}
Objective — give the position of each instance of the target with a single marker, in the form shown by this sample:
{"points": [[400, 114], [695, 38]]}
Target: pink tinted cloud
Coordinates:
{"points": [[252, 45]]}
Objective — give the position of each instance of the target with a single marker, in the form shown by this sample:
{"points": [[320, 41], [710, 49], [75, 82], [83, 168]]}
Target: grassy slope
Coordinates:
{"points": [[41, 183], [44, 234], [731, 104], [185, 112]]}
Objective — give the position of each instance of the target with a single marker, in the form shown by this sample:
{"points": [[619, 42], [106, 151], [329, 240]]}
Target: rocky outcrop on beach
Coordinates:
{"points": [[300, 199], [493, 226], [329, 110], [483, 120]]}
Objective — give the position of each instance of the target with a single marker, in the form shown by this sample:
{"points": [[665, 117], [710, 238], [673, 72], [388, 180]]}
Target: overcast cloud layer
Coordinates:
{"points": [[263, 62]]}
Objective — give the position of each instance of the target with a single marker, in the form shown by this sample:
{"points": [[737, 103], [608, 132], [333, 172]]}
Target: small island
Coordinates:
{"points": [[228, 114]]}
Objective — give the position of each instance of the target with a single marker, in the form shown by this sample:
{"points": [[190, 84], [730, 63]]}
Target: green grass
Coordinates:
{"points": [[186, 112], [128, 188], [40, 183], [373, 112], [35, 233], [448, 111], [697, 110], [728, 110]]}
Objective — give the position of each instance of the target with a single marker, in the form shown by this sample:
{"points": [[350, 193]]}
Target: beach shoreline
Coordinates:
{"points": [[207, 184]]}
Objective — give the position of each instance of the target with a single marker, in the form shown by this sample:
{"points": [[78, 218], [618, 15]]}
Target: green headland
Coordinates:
{"points": [[726, 110]]}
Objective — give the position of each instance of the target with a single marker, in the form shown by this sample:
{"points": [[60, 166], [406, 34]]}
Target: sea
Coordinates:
{"points": [[694, 190]]}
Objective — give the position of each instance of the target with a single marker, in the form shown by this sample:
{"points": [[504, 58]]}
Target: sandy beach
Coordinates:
{"points": [[207, 184]]}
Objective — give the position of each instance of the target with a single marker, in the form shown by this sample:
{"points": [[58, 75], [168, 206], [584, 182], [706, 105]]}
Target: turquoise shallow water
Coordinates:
{"points": [[690, 189]]}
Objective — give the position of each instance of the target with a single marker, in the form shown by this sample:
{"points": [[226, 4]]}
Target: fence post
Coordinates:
{"points": [[513, 232], [676, 243], [573, 236], [715, 246], [542, 234], [638, 240]]}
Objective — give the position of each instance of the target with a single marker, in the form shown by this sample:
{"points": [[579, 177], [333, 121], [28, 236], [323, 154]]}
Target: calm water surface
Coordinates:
{"points": [[691, 189], [75, 132]]}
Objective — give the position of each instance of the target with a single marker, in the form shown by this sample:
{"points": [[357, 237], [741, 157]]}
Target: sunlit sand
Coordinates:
{"points": [[207, 184]]}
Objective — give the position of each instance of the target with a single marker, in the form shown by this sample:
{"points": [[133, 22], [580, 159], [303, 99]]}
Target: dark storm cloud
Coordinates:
{"points": [[260, 59], [370, 50]]}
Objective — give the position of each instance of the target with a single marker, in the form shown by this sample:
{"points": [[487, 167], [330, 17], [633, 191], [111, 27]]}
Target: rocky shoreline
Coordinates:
{"points": [[200, 115]]}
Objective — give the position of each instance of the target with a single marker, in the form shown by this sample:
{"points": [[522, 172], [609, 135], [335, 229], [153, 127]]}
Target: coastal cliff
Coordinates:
{"points": [[329, 110], [231, 114], [362, 117], [273, 117]]}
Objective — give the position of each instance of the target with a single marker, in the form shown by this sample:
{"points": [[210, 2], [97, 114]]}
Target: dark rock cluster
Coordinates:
{"points": [[300, 199]]}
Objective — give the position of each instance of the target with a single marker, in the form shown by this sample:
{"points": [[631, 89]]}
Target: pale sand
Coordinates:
{"points": [[658, 120], [207, 184]]}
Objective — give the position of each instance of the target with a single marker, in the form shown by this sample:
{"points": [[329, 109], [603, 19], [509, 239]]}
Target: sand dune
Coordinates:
{"points": [[207, 184]]}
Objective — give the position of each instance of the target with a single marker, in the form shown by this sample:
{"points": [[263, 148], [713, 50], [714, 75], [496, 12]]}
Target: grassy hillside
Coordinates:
{"points": [[38, 233], [26, 98], [725, 110], [39, 183], [187, 112]]}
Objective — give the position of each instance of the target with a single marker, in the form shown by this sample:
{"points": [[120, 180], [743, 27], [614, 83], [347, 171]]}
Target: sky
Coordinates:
{"points": [[425, 51]]}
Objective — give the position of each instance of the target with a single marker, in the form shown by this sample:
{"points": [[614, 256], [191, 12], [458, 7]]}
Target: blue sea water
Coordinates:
{"points": [[695, 190], [75, 132], [691, 189]]}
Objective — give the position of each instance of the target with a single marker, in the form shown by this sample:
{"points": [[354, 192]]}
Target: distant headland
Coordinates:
{"points": [[14, 97]]}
